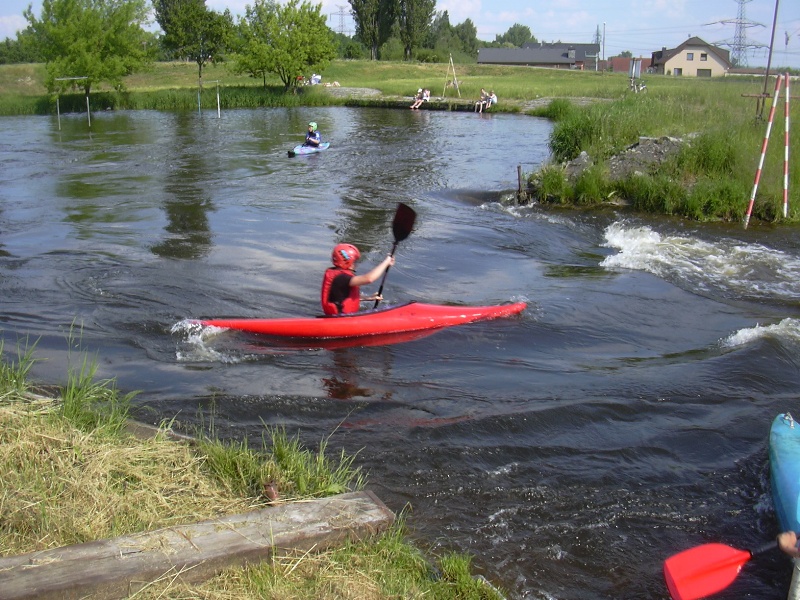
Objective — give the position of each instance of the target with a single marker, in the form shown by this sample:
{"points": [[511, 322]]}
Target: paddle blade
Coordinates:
{"points": [[403, 222], [702, 571]]}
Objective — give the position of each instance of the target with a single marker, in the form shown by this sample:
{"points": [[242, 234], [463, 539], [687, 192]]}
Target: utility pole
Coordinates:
{"points": [[739, 45], [760, 114], [604, 41], [341, 18]]}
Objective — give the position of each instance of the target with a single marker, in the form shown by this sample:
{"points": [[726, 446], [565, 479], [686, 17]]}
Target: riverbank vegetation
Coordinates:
{"points": [[70, 472], [711, 176]]}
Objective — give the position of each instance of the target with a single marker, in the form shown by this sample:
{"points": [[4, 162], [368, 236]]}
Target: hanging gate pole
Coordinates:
{"points": [[763, 151], [786, 151]]}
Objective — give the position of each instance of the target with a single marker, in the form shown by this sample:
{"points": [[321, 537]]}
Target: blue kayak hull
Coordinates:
{"points": [[784, 470], [301, 149]]}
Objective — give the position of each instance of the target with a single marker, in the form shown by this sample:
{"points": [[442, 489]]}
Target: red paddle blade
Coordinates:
{"points": [[702, 571], [403, 222]]}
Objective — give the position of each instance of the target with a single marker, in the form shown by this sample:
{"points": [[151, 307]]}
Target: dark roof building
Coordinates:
{"points": [[553, 56]]}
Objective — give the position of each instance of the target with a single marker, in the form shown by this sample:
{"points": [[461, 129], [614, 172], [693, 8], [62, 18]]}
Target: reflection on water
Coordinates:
{"points": [[621, 418]]}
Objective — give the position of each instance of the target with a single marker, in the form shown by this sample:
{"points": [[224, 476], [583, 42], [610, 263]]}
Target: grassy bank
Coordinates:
{"points": [[70, 473], [594, 113]]}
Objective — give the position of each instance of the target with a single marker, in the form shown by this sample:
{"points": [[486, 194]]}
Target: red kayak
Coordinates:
{"points": [[413, 316]]}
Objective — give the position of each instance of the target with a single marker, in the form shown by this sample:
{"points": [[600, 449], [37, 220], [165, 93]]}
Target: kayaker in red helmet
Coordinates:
{"points": [[341, 293]]}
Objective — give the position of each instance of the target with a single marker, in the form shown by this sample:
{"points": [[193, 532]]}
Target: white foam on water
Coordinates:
{"points": [[726, 265], [787, 329], [195, 346]]}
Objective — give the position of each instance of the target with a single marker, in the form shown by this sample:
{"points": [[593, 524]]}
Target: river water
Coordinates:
{"points": [[621, 418]]}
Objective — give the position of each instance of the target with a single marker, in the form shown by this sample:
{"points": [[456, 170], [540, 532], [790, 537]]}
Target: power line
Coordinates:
{"points": [[739, 44], [341, 18]]}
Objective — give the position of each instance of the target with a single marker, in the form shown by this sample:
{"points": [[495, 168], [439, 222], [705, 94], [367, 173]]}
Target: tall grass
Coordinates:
{"points": [[709, 179], [91, 404], [64, 481], [14, 376], [283, 464]]}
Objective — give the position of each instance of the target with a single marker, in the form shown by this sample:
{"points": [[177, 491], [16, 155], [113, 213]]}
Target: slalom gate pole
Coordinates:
{"points": [[786, 151], [763, 150]]}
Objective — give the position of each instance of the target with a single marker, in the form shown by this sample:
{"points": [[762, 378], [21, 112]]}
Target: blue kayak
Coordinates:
{"points": [[784, 470], [303, 149]]}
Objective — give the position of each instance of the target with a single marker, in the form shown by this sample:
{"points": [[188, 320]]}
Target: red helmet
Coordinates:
{"points": [[345, 256]]}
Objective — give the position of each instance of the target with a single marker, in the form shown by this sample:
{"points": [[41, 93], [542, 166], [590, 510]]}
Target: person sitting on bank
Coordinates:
{"points": [[422, 96], [490, 100], [341, 287], [482, 101], [313, 137]]}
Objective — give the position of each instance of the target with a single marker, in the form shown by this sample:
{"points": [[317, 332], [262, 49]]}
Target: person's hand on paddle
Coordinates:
{"points": [[787, 542]]}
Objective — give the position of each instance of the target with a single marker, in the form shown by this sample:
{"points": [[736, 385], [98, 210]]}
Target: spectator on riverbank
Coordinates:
{"points": [[422, 96], [490, 100], [481, 101]]}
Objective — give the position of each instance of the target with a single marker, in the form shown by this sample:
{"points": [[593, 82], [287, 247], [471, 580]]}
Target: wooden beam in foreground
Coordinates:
{"points": [[116, 568]]}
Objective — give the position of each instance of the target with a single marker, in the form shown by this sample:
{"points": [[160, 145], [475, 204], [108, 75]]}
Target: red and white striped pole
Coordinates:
{"points": [[763, 150], [786, 151]]}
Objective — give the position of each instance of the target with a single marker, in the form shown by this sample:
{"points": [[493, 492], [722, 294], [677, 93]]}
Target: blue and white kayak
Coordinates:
{"points": [[303, 149], [784, 470]]}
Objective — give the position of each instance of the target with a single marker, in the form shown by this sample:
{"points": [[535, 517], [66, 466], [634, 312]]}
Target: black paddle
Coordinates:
{"points": [[402, 225]]}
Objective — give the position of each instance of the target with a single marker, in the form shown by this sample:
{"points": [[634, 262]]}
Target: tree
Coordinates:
{"points": [[414, 18], [99, 40], [440, 29], [24, 49], [374, 20], [194, 32], [468, 34], [287, 40], [517, 35]]}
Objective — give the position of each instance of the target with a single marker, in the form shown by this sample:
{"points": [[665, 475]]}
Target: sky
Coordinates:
{"points": [[633, 25]]}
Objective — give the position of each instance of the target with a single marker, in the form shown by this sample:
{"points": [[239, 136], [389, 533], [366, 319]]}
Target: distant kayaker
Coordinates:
{"points": [[341, 287], [312, 136]]}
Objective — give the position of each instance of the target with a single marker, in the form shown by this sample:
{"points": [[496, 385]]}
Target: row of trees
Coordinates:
{"points": [[105, 40]]}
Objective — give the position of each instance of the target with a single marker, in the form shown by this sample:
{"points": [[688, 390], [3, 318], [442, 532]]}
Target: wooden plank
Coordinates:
{"points": [[116, 568]]}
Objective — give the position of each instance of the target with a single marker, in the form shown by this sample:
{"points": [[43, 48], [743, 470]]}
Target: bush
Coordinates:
{"points": [[592, 186], [719, 199], [550, 185], [713, 153], [570, 136], [658, 194], [557, 110], [425, 55]]}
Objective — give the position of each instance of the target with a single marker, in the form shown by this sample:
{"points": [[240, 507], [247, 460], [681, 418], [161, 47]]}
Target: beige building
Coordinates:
{"points": [[693, 58]]}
